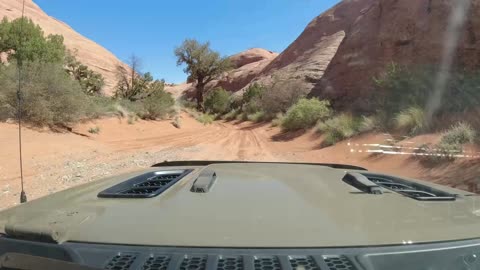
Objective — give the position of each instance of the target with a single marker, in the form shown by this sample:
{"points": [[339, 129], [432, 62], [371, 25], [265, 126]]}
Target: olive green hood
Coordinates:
{"points": [[250, 205]]}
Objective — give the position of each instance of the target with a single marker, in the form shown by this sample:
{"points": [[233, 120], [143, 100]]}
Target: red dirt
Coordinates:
{"points": [[55, 161]]}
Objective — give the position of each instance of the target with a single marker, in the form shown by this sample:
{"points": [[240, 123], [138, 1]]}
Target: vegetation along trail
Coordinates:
{"points": [[53, 165]]}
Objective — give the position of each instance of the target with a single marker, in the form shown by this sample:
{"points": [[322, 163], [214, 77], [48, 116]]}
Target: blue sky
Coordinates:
{"points": [[153, 28]]}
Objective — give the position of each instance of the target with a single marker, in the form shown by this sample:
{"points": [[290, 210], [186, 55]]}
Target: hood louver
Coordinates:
{"points": [[147, 185], [407, 188]]}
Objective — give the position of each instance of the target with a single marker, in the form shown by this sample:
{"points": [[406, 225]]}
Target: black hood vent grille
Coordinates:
{"points": [[410, 189], [147, 185]]}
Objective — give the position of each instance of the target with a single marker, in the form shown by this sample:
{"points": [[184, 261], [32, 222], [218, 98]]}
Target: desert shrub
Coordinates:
{"points": [[256, 117], [252, 106], [306, 113], [254, 91], [49, 96], [205, 118], [126, 108], [442, 152], [231, 115], [90, 81], [101, 106], [157, 106], [94, 130], [423, 149], [236, 102], [186, 103], [217, 101], [412, 120], [460, 133], [242, 116], [281, 96], [131, 120], [177, 122], [449, 147], [278, 119], [368, 123], [402, 87], [339, 128]]}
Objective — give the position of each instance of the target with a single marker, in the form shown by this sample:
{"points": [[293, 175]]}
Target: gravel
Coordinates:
{"points": [[51, 178]]}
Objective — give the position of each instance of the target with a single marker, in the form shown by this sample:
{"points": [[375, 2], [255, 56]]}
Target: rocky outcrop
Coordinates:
{"points": [[247, 66], [341, 51], [379, 32], [89, 53], [251, 56]]}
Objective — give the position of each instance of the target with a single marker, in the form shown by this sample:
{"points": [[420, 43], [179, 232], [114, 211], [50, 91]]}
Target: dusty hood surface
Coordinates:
{"points": [[250, 205]]}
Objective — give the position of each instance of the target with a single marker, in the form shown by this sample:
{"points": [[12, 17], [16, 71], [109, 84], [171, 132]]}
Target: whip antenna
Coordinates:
{"points": [[23, 195]]}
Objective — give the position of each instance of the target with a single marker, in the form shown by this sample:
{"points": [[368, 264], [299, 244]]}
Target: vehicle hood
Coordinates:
{"points": [[250, 205]]}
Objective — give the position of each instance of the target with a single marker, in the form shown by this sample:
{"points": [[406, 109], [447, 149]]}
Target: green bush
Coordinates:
{"points": [[131, 120], [252, 106], [236, 102], [189, 104], [242, 117], [254, 91], [306, 113], [157, 106], [177, 122], [459, 134], [440, 153], [339, 128], [403, 87], [368, 124], [49, 96], [278, 119], [101, 106], [94, 130], [129, 107], [256, 117], [205, 118], [412, 120], [231, 115], [90, 81], [217, 101]]}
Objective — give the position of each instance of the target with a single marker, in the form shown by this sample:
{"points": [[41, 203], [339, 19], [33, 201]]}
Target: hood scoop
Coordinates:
{"points": [[146, 185], [374, 183], [204, 182]]}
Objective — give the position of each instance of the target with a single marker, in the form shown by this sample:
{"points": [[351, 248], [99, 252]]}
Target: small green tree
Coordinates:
{"points": [[217, 101], [202, 65], [23, 40], [90, 81], [132, 84]]}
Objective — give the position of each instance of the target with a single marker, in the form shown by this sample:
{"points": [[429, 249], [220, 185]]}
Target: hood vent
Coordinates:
{"points": [[147, 185], [410, 189], [204, 182]]}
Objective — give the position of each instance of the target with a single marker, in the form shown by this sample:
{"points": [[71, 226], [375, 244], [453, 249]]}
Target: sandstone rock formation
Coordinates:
{"points": [[379, 32], [89, 53]]}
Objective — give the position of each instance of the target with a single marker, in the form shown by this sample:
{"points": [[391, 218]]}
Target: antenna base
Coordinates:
{"points": [[23, 197]]}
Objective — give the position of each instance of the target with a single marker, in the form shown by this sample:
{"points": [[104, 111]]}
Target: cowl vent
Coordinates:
{"points": [[146, 185]]}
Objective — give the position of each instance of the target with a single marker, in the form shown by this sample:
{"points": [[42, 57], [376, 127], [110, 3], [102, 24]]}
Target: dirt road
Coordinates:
{"points": [[55, 161]]}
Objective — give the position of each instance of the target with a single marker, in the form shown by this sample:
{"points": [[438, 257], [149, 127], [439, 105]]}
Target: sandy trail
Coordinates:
{"points": [[55, 161]]}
